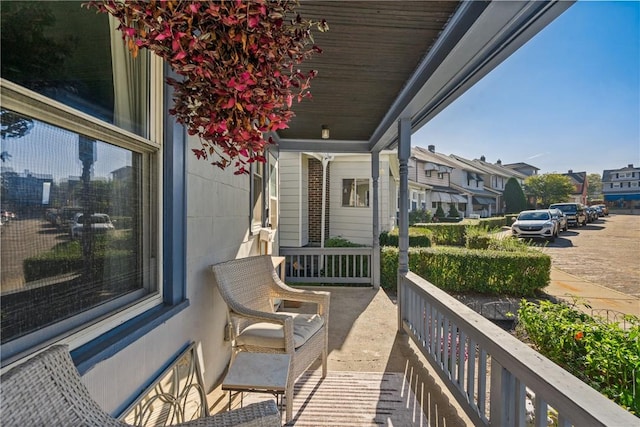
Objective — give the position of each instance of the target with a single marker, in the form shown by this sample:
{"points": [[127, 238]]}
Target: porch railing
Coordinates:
{"points": [[328, 265], [497, 379]]}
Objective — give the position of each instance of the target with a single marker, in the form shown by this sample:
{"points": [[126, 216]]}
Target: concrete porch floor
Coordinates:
{"points": [[363, 337]]}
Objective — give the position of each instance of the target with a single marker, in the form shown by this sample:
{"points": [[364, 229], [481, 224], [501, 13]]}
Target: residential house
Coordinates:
{"points": [[312, 209], [92, 109], [580, 186], [523, 168], [430, 179], [494, 178], [621, 187]]}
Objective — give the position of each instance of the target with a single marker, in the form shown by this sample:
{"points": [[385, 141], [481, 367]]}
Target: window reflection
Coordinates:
{"points": [[71, 239], [77, 57]]}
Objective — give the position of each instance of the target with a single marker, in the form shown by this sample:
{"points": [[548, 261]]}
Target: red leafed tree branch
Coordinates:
{"points": [[238, 61]]}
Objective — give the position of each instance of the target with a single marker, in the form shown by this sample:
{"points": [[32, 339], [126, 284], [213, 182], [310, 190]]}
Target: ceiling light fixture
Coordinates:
{"points": [[325, 132]]}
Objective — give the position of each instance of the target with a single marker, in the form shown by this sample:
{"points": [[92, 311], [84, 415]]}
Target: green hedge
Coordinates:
{"points": [[418, 237], [42, 267], [446, 234], [492, 223], [67, 258], [488, 272]]}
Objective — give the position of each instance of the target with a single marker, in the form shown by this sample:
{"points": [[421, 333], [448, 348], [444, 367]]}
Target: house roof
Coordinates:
{"points": [[383, 61], [520, 165], [607, 173], [488, 168]]}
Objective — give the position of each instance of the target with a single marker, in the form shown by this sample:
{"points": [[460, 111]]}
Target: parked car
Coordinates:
{"points": [[559, 216], [599, 210], [66, 216], [592, 214], [575, 213], [535, 224], [604, 208], [99, 223]]}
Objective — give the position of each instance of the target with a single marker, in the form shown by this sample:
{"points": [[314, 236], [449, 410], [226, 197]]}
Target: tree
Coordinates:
{"points": [[594, 187], [453, 211], [549, 188], [439, 211], [514, 197]]}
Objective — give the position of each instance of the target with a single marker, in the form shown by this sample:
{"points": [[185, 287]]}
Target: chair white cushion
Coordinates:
{"points": [[271, 335]]}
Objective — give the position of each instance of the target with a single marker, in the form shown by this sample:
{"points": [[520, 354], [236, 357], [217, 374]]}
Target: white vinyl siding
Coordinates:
{"points": [[290, 198]]}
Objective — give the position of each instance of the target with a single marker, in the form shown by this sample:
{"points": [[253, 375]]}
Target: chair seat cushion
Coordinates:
{"points": [[271, 335]]}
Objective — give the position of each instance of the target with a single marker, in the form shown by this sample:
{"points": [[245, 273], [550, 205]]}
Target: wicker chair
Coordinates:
{"points": [[47, 390], [249, 286]]}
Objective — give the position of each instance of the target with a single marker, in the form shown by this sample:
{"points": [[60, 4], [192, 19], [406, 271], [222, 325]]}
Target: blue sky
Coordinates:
{"points": [[568, 99]]}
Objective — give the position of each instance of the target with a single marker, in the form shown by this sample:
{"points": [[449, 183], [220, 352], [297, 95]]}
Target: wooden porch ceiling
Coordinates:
{"points": [[370, 51], [386, 60]]}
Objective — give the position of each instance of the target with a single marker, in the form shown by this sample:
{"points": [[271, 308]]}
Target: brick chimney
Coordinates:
{"points": [[432, 148], [483, 158], [631, 165], [570, 170], [499, 162]]}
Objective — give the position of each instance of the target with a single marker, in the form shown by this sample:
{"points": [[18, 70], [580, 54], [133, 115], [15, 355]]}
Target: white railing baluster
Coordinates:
{"points": [[471, 372], [540, 412], [482, 383], [520, 404], [461, 358], [446, 330]]}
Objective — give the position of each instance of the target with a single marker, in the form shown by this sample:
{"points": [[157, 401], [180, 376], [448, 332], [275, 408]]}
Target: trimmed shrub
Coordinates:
{"points": [[486, 272], [419, 216], [439, 212], [446, 234], [67, 258], [453, 211], [339, 242], [339, 266], [418, 237], [493, 223]]}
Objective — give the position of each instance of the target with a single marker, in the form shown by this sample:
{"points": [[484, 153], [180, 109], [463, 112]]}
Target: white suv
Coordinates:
{"points": [[535, 223]]}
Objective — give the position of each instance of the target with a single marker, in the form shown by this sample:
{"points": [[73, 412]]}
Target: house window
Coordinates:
{"points": [[257, 195], [434, 205], [81, 174], [428, 173], [273, 191], [355, 192], [440, 175], [264, 193]]}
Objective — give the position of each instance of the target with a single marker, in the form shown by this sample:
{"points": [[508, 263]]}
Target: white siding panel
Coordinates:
{"points": [[290, 195], [217, 230]]}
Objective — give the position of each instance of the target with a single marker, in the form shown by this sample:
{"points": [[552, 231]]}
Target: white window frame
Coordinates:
{"points": [[90, 324], [356, 181]]}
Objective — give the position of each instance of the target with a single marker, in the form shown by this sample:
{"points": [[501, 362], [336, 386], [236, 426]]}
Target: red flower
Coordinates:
{"points": [[579, 335]]}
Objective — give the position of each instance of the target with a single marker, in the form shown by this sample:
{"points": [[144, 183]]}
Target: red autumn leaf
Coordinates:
{"points": [[222, 48]]}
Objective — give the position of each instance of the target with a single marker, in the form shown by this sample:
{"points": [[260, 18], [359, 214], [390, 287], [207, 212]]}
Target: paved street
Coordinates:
{"points": [[605, 252]]}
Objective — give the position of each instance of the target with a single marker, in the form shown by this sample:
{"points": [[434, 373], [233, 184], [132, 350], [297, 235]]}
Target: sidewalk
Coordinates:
{"points": [[569, 287]]}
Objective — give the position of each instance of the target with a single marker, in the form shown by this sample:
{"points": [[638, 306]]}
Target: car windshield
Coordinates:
{"points": [[566, 208], [532, 216], [95, 219]]}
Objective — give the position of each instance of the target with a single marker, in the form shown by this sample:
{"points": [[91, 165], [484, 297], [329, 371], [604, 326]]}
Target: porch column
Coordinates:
{"points": [[375, 256], [404, 151]]}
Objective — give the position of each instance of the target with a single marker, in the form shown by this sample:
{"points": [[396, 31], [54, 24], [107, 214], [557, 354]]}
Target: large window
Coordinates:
{"points": [[355, 192], [79, 174]]}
